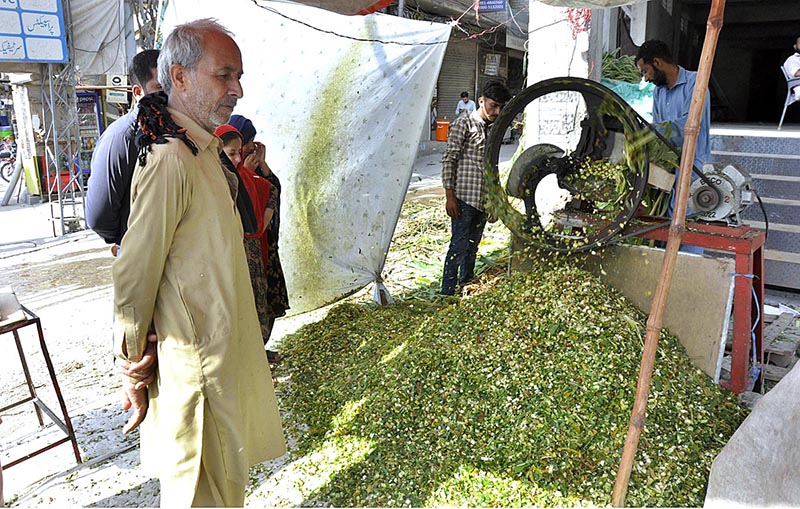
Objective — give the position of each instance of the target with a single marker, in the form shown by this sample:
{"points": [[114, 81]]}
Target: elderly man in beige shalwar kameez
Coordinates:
{"points": [[212, 409]]}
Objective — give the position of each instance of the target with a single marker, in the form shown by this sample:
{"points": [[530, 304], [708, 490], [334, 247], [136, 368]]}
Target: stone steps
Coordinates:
{"points": [[773, 159]]}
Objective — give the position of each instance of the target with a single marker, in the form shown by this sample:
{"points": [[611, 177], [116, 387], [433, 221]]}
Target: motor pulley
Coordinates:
{"points": [[732, 193]]}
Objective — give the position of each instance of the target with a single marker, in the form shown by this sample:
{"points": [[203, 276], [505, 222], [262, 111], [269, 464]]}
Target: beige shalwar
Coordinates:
{"points": [[183, 268]]}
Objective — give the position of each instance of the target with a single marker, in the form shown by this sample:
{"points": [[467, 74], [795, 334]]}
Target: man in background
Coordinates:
{"points": [[792, 66], [108, 196], [673, 96], [671, 101], [465, 106], [465, 186], [114, 159]]}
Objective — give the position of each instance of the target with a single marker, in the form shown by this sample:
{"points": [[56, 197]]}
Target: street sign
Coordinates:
{"points": [[492, 67], [32, 31]]}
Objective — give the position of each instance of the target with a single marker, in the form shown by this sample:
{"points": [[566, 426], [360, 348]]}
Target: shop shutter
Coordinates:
{"points": [[456, 76]]}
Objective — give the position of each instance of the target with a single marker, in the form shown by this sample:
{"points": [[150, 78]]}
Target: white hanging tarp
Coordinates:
{"points": [[638, 15], [590, 4], [341, 120], [102, 33]]}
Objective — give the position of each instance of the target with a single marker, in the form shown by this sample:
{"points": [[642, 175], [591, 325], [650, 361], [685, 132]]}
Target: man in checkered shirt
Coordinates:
{"points": [[465, 187]]}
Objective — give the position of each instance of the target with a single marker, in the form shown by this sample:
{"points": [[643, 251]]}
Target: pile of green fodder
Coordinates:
{"points": [[414, 263], [517, 396]]}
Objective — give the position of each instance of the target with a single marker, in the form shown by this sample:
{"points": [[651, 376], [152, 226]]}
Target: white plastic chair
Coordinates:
{"points": [[790, 98]]}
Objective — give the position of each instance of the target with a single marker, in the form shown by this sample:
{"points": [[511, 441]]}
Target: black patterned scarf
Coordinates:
{"points": [[155, 126]]}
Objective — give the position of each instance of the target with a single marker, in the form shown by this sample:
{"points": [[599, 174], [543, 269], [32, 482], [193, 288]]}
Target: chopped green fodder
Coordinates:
{"points": [[517, 396]]}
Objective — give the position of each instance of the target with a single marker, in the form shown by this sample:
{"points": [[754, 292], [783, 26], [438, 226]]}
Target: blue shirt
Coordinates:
{"points": [[108, 198], [672, 105]]}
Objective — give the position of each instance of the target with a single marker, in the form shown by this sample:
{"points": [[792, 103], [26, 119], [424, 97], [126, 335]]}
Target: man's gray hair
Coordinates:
{"points": [[184, 46]]}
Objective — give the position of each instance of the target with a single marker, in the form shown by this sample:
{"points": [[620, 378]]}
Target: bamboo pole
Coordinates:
{"points": [[677, 228]]}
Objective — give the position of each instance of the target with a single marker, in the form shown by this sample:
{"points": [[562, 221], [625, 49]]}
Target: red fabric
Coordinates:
{"points": [[258, 188], [226, 128], [374, 7]]}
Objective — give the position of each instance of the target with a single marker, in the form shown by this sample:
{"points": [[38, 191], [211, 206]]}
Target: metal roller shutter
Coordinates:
{"points": [[456, 76]]}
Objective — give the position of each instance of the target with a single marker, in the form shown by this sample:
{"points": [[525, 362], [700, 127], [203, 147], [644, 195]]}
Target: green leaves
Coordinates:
{"points": [[620, 67]]}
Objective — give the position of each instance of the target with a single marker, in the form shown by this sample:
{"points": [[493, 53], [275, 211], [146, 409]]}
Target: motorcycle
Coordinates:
{"points": [[8, 159]]}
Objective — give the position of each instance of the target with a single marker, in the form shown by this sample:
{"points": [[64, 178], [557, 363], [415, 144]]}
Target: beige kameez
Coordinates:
{"points": [[183, 268]]}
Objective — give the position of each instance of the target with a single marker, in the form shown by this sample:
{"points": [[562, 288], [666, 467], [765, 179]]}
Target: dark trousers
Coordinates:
{"points": [[467, 230]]}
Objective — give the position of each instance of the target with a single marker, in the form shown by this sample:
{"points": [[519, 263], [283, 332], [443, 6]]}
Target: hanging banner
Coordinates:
{"points": [[341, 108], [103, 36]]}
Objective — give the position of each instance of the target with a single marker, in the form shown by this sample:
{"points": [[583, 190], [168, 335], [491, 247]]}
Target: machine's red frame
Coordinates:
{"points": [[747, 244]]}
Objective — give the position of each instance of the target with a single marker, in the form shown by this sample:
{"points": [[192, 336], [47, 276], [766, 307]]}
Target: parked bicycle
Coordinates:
{"points": [[8, 159]]}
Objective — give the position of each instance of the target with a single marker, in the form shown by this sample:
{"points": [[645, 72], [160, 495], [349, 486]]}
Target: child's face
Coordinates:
{"points": [[233, 149]]}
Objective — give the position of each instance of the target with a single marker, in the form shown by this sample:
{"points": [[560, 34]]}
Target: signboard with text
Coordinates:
{"points": [[32, 31], [491, 5]]}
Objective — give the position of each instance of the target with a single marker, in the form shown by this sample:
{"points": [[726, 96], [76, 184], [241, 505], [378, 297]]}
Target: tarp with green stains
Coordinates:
{"points": [[341, 119]]}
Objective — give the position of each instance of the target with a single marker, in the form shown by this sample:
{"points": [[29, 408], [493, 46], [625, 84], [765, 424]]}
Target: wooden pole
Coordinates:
{"points": [[677, 228]]}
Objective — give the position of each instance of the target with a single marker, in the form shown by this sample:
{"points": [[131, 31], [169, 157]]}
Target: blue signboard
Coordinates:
{"points": [[491, 5], [32, 31]]}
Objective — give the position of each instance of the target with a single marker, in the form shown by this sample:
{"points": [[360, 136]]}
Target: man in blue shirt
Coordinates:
{"points": [[114, 159], [673, 95], [671, 101]]}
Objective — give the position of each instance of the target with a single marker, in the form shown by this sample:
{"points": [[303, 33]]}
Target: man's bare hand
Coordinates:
{"points": [[144, 371], [136, 400], [452, 208]]}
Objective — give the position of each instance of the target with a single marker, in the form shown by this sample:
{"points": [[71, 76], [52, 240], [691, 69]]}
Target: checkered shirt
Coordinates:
{"points": [[462, 162]]}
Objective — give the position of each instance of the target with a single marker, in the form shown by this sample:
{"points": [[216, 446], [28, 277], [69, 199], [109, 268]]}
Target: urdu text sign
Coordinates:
{"points": [[32, 31]]}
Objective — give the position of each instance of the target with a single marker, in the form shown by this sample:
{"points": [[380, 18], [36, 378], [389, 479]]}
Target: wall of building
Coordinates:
{"points": [[496, 37]]}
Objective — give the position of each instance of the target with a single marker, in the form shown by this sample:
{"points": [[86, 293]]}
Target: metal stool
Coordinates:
{"points": [[39, 406]]}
